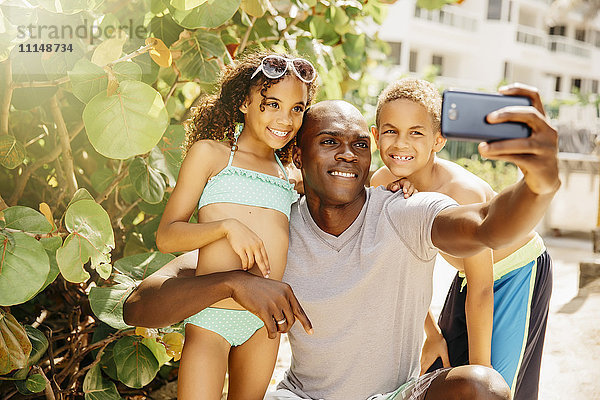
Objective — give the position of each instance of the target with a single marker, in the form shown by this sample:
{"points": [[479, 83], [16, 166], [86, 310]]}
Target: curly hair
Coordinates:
{"points": [[418, 90], [218, 114]]}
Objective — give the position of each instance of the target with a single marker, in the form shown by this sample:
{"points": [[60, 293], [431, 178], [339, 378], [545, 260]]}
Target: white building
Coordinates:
{"points": [[480, 43]]}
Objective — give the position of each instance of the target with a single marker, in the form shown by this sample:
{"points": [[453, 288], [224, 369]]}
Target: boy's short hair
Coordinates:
{"points": [[418, 90]]}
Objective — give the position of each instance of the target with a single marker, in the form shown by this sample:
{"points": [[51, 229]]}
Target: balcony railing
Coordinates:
{"points": [[448, 18], [531, 36], [561, 44]]}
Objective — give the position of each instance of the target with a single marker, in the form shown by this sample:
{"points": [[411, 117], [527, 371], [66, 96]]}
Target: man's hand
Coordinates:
{"points": [[271, 301], [536, 155]]}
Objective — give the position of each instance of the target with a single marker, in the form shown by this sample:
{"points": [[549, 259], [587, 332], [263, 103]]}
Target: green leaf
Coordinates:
{"points": [[96, 387], [109, 50], [431, 4], [104, 270], [148, 182], [107, 362], [12, 152], [171, 147], [51, 245], [35, 383], [255, 8], [39, 344], [158, 350], [186, 4], [154, 209], [107, 302], [127, 70], [354, 45], [101, 178], [211, 14], [24, 267], [195, 57], [91, 238], [166, 29], [26, 219], [339, 19], [87, 80], [128, 123], [14, 344], [140, 266], [136, 365], [80, 194], [158, 161], [322, 29]]}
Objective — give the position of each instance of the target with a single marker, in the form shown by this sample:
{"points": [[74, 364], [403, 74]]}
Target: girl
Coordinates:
{"points": [[234, 174]]}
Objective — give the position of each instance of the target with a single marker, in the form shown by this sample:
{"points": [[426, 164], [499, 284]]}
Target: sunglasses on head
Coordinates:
{"points": [[275, 66]]}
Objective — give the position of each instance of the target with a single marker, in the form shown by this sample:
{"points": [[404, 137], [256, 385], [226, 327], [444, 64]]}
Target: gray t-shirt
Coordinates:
{"points": [[366, 292]]}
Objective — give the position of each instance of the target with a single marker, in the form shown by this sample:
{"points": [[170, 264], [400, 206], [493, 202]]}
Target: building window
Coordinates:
{"points": [[580, 35], [494, 11], [396, 53], [510, 8], [438, 62], [506, 73], [595, 86], [575, 85], [557, 83], [558, 30], [412, 61], [597, 41]]}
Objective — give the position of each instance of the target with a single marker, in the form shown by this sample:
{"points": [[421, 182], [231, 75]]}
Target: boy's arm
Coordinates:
{"points": [[467, 230], [173, 293], [479, 306]]}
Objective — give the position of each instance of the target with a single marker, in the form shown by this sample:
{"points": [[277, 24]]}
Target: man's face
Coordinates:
{"points": [[334, 153]]}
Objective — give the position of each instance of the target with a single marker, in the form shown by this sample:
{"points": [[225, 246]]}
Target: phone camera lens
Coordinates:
{"points": [[453, 114]]}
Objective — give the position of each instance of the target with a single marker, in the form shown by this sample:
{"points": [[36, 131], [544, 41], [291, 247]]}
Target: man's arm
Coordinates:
{"points": [[466, 230], [173, 293]]}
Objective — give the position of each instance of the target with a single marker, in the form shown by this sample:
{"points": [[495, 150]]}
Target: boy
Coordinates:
{"points": [[513, 284]]}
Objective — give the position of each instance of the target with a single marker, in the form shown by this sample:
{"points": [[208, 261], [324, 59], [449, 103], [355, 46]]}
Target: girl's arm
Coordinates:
{"points": [[479, 306], [175, 233], [435, 345]]}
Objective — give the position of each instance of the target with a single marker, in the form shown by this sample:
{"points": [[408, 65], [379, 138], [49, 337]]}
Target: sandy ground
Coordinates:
{"points": [[571, 358]]}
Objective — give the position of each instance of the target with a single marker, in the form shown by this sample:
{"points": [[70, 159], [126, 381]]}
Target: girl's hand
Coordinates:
{"points": [[433, 348], [248, 246], [403, 183]]}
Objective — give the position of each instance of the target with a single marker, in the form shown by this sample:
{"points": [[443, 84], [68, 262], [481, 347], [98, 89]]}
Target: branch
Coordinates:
{"points": [[129, 56], [48, 158], [6, 98], [38, 84], [104, 195], [172, 90], [48, 389], [65, 144], [3, 204], [37, 236], [246, 36]]}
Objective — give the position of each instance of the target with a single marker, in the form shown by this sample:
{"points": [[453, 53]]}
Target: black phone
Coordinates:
{"points": [[463, 116]]}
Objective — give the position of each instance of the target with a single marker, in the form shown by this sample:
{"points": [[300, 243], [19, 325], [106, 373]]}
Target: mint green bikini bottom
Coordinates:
{"points": [[235, 326]]}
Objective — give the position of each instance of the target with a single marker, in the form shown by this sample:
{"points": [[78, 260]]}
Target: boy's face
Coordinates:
{"points": [[406, 137]]}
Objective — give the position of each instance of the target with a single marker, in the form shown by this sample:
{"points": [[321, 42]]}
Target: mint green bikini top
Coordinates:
{"points": [[243, 186]]}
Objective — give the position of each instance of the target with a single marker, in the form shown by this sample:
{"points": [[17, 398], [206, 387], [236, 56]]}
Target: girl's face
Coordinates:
{"points": [[284, 106]]}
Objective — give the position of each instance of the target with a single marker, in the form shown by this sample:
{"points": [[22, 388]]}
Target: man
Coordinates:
{"points": [[361, 262]]}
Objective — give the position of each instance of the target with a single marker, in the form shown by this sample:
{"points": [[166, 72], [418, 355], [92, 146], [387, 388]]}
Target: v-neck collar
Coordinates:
{"points": [[337, 243]]}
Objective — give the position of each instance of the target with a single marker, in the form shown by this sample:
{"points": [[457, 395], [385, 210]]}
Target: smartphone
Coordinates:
{"points": [[463, 116]]}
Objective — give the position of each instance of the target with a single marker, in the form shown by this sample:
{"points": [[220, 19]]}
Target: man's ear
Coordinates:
{"points": [[297, 157], [375, 133], [440, 142]]}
